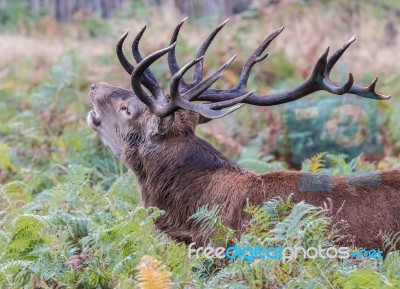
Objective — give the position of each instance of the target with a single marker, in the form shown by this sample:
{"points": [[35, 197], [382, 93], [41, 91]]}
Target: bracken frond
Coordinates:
{"points": [[317, 163], [207, 218], [153, 275]]}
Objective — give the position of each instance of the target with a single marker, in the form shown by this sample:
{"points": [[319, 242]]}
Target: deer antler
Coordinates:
{"points": [[182, 93], [319, 80], [160, 105]]}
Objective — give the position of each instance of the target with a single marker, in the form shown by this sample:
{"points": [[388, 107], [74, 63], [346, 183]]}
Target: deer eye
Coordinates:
{"points": [[126, 109]]}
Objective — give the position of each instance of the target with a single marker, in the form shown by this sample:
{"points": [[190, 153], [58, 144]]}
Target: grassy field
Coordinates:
{"points": [[70, 213]]}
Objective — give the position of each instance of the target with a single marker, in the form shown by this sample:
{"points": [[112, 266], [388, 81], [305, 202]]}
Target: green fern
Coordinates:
{"points": [[206, 218], [315, 164]]}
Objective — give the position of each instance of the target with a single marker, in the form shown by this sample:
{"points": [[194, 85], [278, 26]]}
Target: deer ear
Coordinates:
{"points": [[157, 126], [165, 124]]}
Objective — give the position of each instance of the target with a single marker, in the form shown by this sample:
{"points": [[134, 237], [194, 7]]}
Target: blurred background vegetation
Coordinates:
{"points": [[70, 213]]}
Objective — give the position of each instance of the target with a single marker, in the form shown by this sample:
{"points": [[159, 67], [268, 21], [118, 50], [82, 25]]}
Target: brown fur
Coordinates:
{"points": [[179, 173]]}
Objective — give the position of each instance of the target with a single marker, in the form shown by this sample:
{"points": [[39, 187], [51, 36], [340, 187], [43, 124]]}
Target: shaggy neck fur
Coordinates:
{"points": [[163, 168]]}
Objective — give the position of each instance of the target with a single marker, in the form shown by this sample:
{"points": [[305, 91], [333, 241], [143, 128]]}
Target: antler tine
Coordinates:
{"points": [[177, 77], [149, 84], [194, 92], [368, 92], [229, 102], [335, 57], [172, 62], [155, 104], [138, 57], [121, 56], [198, 69], [208, 110], [325, 83], [214, 114], [256, 57]]}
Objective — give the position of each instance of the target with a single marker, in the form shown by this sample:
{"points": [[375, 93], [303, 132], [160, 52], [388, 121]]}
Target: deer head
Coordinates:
{"points": [[126, 119]]}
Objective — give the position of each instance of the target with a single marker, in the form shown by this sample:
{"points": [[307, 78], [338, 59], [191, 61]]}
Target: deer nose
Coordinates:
{"points": [[93, 86]]}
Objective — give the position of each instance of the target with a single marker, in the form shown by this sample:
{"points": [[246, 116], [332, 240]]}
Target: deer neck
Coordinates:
{"points": [[165, 167]]}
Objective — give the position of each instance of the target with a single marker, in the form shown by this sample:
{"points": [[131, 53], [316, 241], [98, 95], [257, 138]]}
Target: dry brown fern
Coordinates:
{"points": [[153, 275]]}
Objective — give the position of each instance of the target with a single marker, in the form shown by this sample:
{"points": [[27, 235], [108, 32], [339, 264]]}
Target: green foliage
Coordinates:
{"points": [[336, 164], [209, 223], [78, 235], [95, 26], [14, 14], [365, 278], [251, 159], [207, 218], [5, 161], [81, 235], [282, 222]]}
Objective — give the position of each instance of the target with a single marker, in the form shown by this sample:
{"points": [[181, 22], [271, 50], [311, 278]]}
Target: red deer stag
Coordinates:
{"points": [[152, 132]]}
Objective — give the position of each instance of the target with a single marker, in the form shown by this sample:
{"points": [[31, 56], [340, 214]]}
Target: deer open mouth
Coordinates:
{"points": [[93, 120]]}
